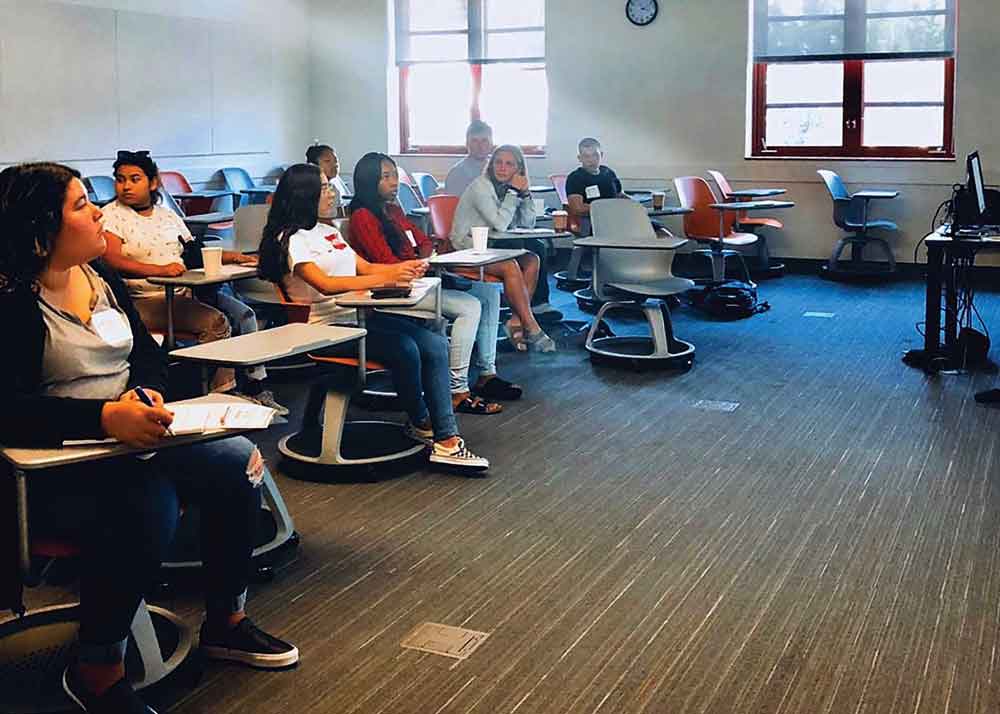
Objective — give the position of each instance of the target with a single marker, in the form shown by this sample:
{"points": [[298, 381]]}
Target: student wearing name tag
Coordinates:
{"points": [[146, 239], [81, 354], [381, 233], [591, 181]]}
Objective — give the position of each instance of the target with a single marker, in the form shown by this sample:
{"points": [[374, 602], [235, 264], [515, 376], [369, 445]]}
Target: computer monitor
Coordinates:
{"points": [[975, 166]]}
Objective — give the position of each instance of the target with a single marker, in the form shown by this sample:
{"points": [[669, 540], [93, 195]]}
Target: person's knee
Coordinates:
{"points": [[151, 514], [239, 466]]}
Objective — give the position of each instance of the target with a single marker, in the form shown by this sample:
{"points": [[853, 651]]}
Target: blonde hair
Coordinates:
{"points": [[522, 167]]}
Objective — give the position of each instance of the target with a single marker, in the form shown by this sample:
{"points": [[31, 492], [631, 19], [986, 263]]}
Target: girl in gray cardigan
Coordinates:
{"points": [[500, 200]]}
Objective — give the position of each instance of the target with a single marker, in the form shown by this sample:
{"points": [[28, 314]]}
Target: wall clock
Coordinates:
{"points": [[641, 12]]}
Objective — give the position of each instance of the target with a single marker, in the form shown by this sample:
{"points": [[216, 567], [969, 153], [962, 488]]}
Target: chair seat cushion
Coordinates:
{"points": [[762, 222], [655, 288], [370, 365], [731, 239], [881, 225]]}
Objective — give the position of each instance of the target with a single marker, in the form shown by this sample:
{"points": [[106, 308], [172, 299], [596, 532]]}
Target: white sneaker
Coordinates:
{"points": [[424, 436], [266, 398], [458, 455]]}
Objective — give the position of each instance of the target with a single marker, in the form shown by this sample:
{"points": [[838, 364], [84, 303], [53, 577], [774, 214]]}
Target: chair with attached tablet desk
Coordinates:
{"points": [[335, 441], [711, 227], [575, 276], [763, 266], [850, 213]]}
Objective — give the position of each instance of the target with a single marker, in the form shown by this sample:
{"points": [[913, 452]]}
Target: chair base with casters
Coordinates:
{"points": [[717, 259], [762, 266], [587, 301], [857, 266], [338, 442], [574, 277], [660, 348], [36, 648]]}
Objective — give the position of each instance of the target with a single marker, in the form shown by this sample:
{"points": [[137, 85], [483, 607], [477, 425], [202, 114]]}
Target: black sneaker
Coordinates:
{"points": [[120, 699], [248, 644]]}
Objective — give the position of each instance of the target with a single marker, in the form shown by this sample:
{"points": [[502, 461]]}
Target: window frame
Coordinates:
{"points": [[478, 33], [852, 131]]}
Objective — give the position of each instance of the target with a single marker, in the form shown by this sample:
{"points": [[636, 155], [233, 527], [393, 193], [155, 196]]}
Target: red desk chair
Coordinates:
{"points": [[752, 224], [703, 225]]}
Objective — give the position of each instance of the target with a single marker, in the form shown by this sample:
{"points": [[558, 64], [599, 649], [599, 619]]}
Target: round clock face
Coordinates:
{"points": [[641, 12]]}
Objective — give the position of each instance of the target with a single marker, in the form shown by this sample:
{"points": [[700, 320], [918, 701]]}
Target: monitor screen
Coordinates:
{"points": [[976, 180]]}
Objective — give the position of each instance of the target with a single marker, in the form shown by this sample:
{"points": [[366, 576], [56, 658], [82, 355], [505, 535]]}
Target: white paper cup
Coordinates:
{"points": [[560, 220], [659, 198], [212, 260], [539, 206], [480, 235]]}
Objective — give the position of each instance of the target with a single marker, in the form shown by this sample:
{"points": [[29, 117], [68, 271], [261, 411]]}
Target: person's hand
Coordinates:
{"points": [[405, 273], [135, 424], [231, 256], [171, 270], [420, 266], [131, 396], [520, 183]]}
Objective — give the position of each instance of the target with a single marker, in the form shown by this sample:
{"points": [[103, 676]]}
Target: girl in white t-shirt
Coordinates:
{"points": [[312, 262]]}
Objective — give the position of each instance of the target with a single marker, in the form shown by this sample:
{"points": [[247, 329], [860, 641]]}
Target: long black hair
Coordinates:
{"points": [[295, 207], [31, 214], [367, 175], [143, 161]]}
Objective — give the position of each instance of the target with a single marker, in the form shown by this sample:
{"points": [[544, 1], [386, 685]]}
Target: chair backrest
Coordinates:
{"points": [[295, 311], [408, 199], [100, 188], [404, 176], [171, 203], [248, 226], [174, 182], [703, 223], [426, 184], [559, 183], [442, 208], [721, 183], [624, 218], [236, 178], [847, 213]]}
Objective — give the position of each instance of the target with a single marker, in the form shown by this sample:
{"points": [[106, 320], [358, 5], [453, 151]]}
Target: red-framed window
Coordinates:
{"points": [[853, 79], [460, 60]]}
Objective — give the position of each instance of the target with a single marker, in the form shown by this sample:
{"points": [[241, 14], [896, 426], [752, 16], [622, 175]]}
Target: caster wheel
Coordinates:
{"points": [[294, 540]]}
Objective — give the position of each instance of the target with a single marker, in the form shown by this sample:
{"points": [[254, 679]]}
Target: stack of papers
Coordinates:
{"points": [[529, 231], [199, 418]]}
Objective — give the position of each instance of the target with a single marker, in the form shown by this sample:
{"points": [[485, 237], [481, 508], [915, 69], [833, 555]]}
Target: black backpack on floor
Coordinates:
{"points": [[730, 300]]}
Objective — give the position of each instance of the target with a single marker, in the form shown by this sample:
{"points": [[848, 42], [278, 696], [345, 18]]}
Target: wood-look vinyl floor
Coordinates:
{"points": [[831, 546]]}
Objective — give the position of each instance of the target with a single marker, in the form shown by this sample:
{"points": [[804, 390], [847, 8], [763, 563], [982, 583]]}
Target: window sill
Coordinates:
{"points": [[944, 159], [448, 155]]}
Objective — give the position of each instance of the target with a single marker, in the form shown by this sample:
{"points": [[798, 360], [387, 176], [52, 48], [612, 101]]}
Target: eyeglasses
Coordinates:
{"points": [[132, 155]]}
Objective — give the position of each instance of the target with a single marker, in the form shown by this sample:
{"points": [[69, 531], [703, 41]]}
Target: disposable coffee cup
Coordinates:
{"points": [[212, 260], [659, 197], [560, 219], [480, 236], [539, 206]]}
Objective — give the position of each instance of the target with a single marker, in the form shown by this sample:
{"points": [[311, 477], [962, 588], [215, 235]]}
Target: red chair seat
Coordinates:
{"points": [[370, 365], [731, 239], [762, 222], [54, 548]]}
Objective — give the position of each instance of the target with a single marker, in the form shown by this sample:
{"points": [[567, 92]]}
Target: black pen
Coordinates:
{"points": [[144, 398]]}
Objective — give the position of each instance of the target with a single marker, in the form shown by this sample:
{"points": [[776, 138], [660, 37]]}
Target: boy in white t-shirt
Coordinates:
{"points": [[149, 240]]}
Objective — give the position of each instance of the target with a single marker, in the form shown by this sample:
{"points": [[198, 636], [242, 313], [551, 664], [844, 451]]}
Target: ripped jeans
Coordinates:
{"points": [[124, 512]]}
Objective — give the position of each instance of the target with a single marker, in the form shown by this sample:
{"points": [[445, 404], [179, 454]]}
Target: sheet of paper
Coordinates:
{"points": [[530, 231]]}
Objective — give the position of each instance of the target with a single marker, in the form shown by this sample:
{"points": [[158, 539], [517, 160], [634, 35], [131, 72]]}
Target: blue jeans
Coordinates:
{"points": [[124, 514], [476, 315], [241, 318], [418, 361]]}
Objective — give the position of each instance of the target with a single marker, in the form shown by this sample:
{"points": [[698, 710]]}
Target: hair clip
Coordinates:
{"points": [[124, 155]]}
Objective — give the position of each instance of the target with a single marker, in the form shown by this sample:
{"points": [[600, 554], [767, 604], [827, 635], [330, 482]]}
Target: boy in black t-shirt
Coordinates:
{"points": [[590, 182]]}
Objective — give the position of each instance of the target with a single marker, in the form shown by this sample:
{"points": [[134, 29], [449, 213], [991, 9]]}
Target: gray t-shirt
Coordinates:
{"points": [[86, 361], [462, 174]]}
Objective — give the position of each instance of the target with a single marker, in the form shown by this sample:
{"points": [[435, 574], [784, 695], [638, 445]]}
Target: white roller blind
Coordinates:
{"points": [[818, 30]]}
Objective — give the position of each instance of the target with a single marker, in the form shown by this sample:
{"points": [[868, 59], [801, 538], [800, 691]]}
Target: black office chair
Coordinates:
{"points": [[851, 214]]}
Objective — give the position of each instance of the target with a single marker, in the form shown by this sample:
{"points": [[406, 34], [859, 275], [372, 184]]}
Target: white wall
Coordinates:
{"points": [[666, 100], [200, 84]]}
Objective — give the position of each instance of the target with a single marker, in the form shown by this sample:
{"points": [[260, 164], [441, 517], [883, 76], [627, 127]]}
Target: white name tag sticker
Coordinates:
{"points": [[111, 326], [593, 192], [413, 241]]}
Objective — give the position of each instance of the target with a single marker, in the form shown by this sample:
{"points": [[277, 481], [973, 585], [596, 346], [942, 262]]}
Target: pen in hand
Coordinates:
{"points": [[144, 398]]}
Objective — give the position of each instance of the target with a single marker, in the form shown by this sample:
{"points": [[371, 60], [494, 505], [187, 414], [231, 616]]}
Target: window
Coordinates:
{"points": [[853, 78], [460, 60]]}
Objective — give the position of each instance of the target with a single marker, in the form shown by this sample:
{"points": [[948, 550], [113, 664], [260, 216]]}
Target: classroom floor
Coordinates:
{"points": [[831, 544]]}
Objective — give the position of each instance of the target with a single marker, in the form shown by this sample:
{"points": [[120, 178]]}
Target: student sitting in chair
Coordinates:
{"points": [[591, 181], [82, 355], [148, 240], [325, 156], [312, 262], [381, 233], [500, 199]]}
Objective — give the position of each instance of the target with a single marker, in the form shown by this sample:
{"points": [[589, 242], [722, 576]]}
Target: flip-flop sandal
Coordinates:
{"points": [[515, 333], [497, 388], [476, 405]]}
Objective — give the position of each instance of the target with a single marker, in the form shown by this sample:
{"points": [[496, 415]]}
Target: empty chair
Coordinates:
{"points": [[173, 182], [850, 212], [442, 213], [711, 227], [101, 189], [237, 179], [408, 199], [626, 278], [752, 224], [426, 184], [574, 277]]}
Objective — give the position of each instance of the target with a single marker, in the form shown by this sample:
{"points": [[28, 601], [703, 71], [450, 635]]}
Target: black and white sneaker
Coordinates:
{"points": [[458, 455], [120, 699], [248, 644]]}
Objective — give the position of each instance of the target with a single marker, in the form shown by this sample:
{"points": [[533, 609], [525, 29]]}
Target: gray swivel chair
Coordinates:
{"points": [[850, 212], [635, 279]]}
